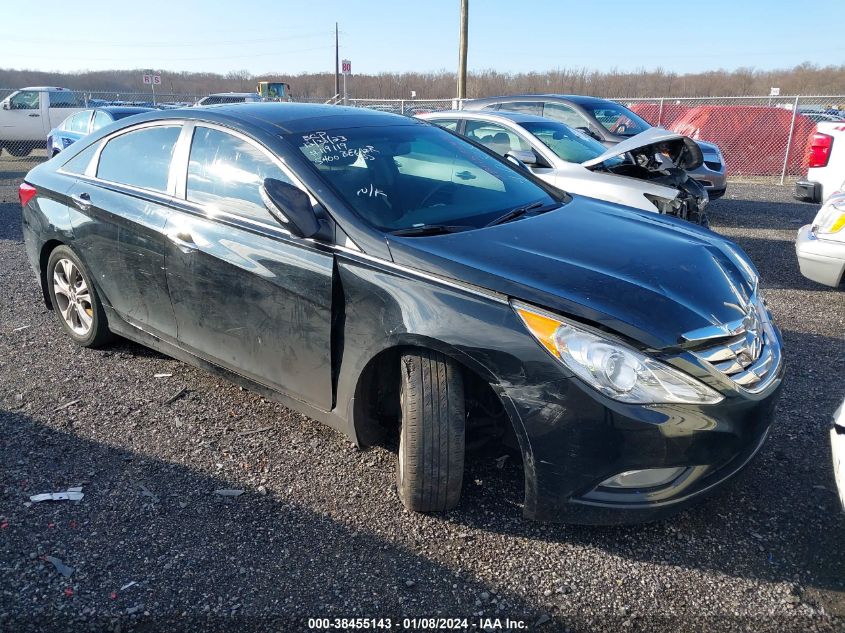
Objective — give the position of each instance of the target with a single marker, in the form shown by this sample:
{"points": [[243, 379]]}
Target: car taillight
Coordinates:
{"points": [[819, 151], [25, 192]]}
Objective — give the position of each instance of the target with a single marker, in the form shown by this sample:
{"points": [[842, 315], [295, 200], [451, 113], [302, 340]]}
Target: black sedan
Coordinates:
{"points": [[385, 276]]}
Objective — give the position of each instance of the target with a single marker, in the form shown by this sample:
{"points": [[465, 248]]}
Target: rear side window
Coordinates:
{"points": [[526, 107], [78, 122], [101, 119], [494, 136], [448, 124], [65, 100], [79, 163], [226, 172], [140, 158]]}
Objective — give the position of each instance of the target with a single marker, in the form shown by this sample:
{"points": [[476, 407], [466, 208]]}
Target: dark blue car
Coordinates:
{"points": [[84, 122]]}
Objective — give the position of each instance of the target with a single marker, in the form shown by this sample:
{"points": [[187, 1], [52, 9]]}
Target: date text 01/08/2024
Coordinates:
{"points": [[417, 624]]}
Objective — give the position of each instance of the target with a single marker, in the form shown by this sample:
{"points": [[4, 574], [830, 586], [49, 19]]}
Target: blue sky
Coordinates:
{"points": [[382, 35]]}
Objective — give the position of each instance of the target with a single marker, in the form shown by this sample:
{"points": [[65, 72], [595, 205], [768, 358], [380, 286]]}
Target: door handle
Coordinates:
{"points": [[82, 200], [183, 241], [33, 114]]}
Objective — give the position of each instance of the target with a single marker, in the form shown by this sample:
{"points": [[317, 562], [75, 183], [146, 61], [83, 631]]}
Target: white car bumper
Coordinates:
{"points": [[837, 444], [820, 260]]}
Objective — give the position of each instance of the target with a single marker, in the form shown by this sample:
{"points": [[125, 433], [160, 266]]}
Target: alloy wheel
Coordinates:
{"points": [[73, 297]]}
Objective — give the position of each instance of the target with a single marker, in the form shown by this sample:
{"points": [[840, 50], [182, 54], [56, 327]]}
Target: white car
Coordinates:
{"points": [[825, 162], [646, 171], [837, 444], [820, 246]]}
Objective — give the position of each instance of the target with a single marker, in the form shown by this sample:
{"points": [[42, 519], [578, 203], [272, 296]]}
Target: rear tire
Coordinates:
{"points": [[19, 149], [431, 442], [75, 300]]}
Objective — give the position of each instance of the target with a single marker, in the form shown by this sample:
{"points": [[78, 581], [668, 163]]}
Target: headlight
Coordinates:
{"points": [[667, 206], [616, 370], [830, 218]]}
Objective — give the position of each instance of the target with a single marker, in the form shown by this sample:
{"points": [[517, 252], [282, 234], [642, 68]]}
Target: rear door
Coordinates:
{"points": [[60, 105], [246, 293], [119, 208]]}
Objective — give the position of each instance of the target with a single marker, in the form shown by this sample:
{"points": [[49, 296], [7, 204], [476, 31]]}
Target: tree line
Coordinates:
{"points": [[803, 79]]}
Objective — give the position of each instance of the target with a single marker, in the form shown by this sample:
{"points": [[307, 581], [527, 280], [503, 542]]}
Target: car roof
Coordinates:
{"points": [[492, 115], [287, 117], [46, 88], [578, 99], [123, 109], [233, 94]]}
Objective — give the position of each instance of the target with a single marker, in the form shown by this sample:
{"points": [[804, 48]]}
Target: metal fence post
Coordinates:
{"points": [[660, 113], [789, 140], [402, 106]]}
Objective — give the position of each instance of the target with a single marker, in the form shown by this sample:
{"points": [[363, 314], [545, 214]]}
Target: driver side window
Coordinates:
{"points": [[226, 172], [26, 100], [564, 114]]}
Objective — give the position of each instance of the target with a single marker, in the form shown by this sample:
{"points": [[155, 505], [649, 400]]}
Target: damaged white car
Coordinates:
{"points": [[647, 171], [820, 246]]}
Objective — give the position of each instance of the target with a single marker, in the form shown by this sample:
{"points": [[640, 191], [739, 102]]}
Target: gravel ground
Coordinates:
{"points": [[319, 531]]}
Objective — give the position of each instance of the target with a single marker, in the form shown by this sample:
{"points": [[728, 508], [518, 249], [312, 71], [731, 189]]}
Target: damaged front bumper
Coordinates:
{"points": [[577, 443]]}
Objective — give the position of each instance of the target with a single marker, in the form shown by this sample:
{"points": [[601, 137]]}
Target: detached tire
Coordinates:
{"points": [[75, 299], [431, 441]]}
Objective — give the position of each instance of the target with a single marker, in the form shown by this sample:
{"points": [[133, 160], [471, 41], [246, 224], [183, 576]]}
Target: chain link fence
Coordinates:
{"points": [[760, 137]]}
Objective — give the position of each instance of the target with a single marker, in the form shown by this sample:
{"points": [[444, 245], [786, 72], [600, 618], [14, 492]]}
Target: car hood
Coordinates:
{"points": [[686, 152], [647, 276]]}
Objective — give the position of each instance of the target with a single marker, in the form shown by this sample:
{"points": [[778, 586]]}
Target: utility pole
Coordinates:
{"points": [[336, 62], [462, 53]]}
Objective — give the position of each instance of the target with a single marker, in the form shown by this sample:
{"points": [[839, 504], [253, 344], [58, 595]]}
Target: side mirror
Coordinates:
{"points": [[6, 105], [290, 206], [524, 156]]}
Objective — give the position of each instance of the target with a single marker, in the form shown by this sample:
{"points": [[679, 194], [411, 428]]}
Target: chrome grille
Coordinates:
{"points": [[747, 351]]}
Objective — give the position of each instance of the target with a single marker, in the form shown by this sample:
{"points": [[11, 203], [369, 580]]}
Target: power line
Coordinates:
{"points": [[147, 61]]}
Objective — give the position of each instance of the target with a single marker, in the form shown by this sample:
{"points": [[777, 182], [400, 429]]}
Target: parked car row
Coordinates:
{"points": [[606, 121], [384, 275], [653, 179]]}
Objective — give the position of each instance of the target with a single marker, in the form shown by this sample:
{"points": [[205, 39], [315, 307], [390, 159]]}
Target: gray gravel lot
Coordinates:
{"points": [[319, 531]]}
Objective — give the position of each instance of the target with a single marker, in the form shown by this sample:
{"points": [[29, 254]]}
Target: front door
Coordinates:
{"points": [[24, 120], [247, 294]]}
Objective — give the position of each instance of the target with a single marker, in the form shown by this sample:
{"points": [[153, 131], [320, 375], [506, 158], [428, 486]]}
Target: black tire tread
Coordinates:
{"points": [[432, 435]]}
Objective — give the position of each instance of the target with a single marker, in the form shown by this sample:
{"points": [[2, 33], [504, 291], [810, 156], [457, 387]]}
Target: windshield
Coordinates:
{"points": [[407, 176], [616, 119], [570, 145]]}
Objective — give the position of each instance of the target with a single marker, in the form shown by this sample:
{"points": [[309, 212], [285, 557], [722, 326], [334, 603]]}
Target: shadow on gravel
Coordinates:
{"points": [[246, 563], [757, 214]]}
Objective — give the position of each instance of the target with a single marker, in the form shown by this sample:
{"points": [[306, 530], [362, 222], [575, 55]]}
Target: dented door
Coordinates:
{"points": [[255, 301]]}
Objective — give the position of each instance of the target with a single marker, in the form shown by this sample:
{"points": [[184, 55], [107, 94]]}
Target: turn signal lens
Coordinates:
{"points": [[831, 217], [611, 367]]}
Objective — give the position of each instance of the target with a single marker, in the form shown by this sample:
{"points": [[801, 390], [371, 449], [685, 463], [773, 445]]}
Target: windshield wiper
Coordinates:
{"points": [[429, 229], [513, 214]]}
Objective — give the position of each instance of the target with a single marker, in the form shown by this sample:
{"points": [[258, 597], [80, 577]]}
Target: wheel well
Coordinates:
{"points": [[377, 405], [43, 258]]}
